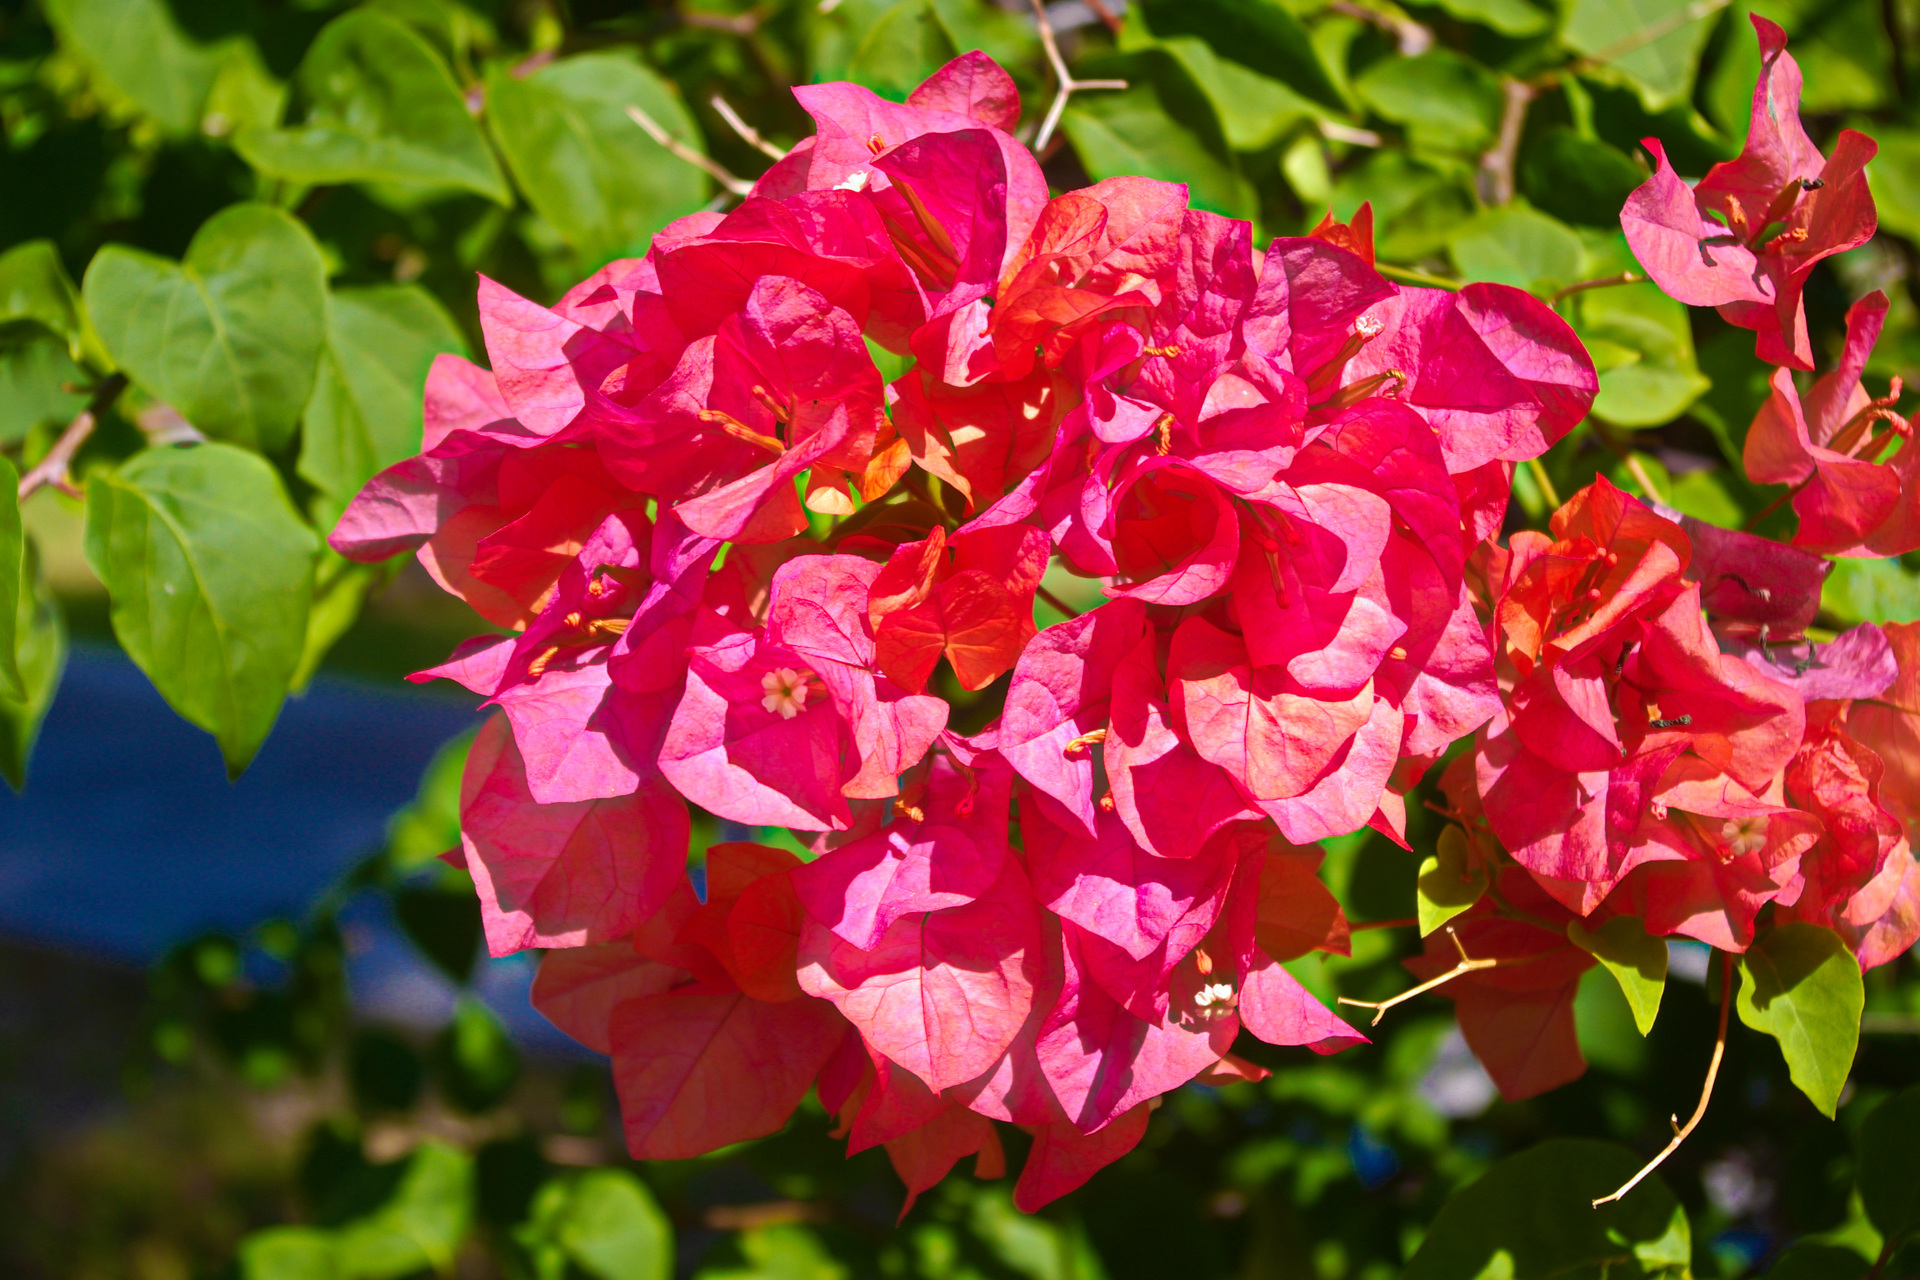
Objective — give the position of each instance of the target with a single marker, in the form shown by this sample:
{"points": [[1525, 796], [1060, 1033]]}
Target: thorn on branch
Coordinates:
{"points": [[1467, 965], [699, 160], [1680, 1131], [1068, 85], [54, 468], [745, 130]]}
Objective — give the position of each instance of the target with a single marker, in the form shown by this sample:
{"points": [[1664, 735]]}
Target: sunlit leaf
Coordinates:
{"points": [[207, 569], [1448, 882], [231, 335], [1801, 985], [375, 103], [1636, 961]]}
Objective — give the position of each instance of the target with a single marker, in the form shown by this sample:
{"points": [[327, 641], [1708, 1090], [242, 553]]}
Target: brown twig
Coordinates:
{"points": [[1467, 965], [1106, 15], [745, 130], [1058, 604], [1068, 85], [739, 24], [1604, 282], [1496, 166], [1681, 1131], [1412, 38], [53, 469], [699, 160]]}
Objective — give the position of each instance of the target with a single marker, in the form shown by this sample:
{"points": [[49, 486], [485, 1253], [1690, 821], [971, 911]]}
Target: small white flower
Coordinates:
{"points": [[785, 692], [1744, 835], [1215, 1000], [856, 181]]}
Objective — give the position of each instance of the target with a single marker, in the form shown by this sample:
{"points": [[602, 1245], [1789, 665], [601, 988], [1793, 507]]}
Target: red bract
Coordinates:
{"points": [[1612, 678], [732, 563], [1829, 448], [1748, 235]]}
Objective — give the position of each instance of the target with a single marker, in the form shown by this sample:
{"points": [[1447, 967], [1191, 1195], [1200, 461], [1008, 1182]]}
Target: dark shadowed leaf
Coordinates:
{"points": [[1258, 34], [1889, 1175], [1530, 1217]]}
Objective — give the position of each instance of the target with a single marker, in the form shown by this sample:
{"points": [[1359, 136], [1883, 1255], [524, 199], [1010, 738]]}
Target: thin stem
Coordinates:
{"points": [[1411, 276], [1407, 922], [1412, 38], [1638, 470], [1496, 166], [53, 469], [711, 167], [745, 130], [1681, 1131], [1545, 481], [1628, 458], [1056, 602], [1605, 282], [1880, 1263], [1775, 505], [1066, 81], [1467, 965], [1106, 15]]}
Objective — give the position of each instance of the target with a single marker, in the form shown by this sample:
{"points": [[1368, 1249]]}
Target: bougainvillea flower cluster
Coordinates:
{"points": [[982, 872]]}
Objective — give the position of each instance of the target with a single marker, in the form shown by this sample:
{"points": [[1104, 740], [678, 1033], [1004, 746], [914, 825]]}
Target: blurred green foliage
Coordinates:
{"points": [[300, 192]]}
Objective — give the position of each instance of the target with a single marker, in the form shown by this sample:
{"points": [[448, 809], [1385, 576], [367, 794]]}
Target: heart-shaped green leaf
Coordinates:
{"points": [[208, 573], [376, 103], [1636, 961], [1801, 985], [139, 57], [229, 336]]}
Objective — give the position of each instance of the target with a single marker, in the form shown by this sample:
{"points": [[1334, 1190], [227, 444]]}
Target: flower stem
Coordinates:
{"points": [[1466, 965], [1680, 1131]]}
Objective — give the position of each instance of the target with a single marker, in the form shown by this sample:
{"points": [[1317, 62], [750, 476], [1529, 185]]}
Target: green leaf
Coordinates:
{"points": [[1871, 591], [1801, 985], [364, 415], [1530, 1217], [13, 583], [290, 1253], [1637, 962], [1258, 34], [584, 165], [1254, 110], [474, 1055], [40, 640], [231, 335], [1894, 179], [1642, 344], [1654, 45], [1163, 127], [208, 574], [786, 1251], [1517, 246], [376, 103], [1577, 179], [903, 46], [1449, 883], [606, 1223], [421, 1226], [1416, 206], [339, 589], [430, 825], [34, 285], [1446, 101], [1889, 1173], [139, 56], [1810, 1261], [1508, 17], [35, 372]]}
